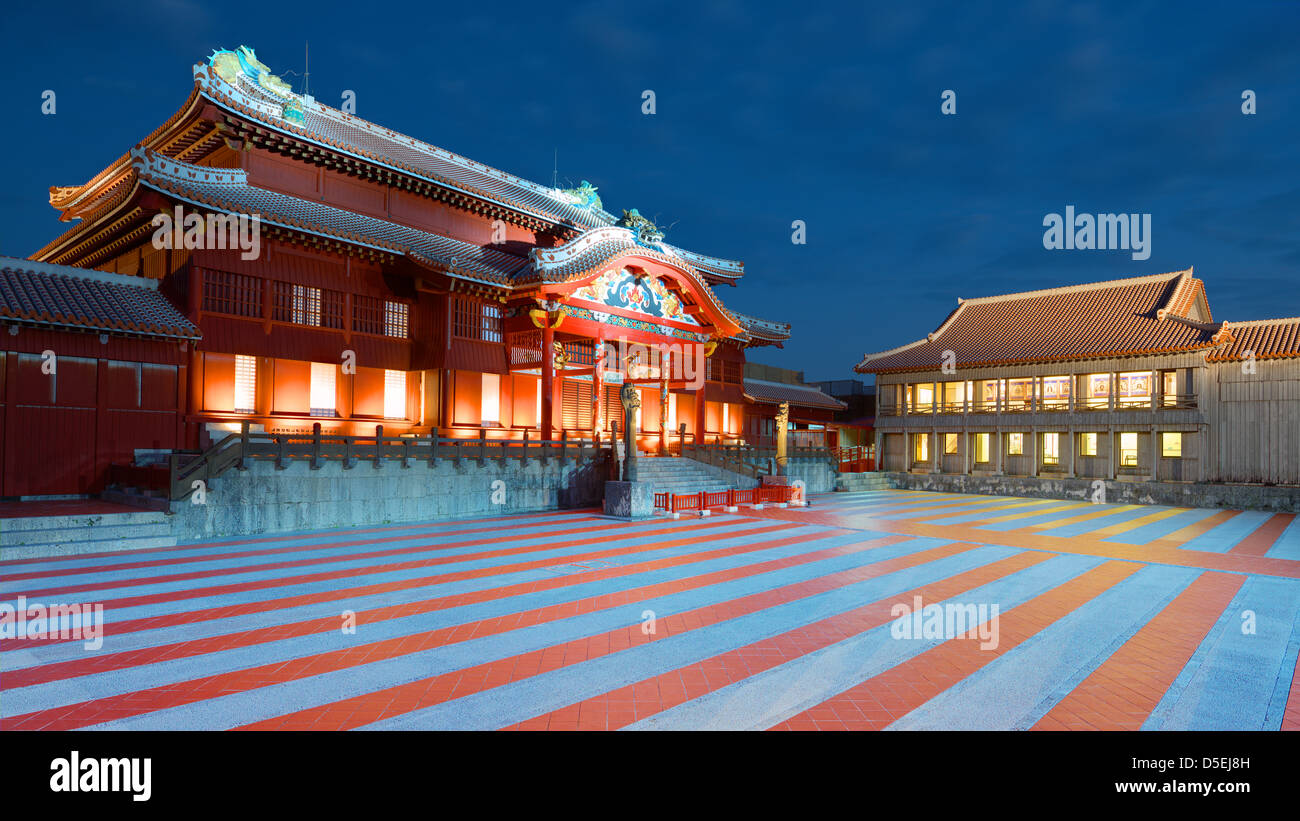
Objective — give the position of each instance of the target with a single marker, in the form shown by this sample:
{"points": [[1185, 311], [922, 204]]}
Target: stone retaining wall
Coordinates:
{"points": [[265, 500], [1234, 497]]}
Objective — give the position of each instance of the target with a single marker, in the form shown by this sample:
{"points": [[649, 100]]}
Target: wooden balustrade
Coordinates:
{"points": [[239, 450]]}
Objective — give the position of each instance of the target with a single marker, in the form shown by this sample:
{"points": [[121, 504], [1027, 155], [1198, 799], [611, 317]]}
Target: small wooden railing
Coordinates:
{"points": [[705, 499], [239, 449], [855, 458]]}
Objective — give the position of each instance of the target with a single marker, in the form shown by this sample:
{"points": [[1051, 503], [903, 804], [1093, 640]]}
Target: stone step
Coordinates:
{"points": [[99, 532], [22, 523], [75, 548]]}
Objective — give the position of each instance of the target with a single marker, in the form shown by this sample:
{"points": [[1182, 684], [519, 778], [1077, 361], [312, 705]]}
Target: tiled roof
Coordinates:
{"points": [[56, 295], [804, 396], [588, 252], [225, 189], [351, 134], [1122, 317], [346, 132], [1265, 338], [764, 329]]}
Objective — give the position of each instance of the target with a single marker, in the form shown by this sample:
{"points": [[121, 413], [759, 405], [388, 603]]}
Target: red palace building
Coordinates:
{"points": [[261, 257]]}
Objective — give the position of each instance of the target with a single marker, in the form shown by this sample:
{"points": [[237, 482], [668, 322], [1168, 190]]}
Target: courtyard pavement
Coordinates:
{"points": [[1108, 617]]}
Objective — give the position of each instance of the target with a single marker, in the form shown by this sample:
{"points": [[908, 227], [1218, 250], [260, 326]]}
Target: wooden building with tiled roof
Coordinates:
{"points": [[1130, 378], [393, 283]]}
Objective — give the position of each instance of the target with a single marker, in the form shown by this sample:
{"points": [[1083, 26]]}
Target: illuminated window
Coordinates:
{"points": [[1169, 387], [1097, 391], [1128, 449], [1015, 444], [490, 319], [726, 418], [395, 320], [492, 399], [1088, 444], [954, 395], [981, 447], [245, 384], [472, 319], [1051, 448], [950, 443], [672, 411], [1055, 392], [1171, 445], [306, 305], [990, 390], [394, 394], [539, 405], [924, 398], [1020, 394], [922, 447], [322, 389], [1134, 389]]}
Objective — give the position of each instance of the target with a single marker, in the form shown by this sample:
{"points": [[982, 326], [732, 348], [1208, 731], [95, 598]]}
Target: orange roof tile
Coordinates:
{"points": [[1265, 338], [1122, 317]]}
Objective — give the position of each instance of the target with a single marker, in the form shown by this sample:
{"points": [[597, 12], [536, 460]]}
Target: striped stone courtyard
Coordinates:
{"points": [[1108, 617]]}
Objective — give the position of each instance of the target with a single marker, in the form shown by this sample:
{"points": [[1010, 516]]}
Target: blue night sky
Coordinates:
{"points": [[765, 115]]}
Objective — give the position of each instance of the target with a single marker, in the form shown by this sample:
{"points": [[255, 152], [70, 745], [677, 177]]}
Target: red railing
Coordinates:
{"points": [[856, 459], [705, 500]]}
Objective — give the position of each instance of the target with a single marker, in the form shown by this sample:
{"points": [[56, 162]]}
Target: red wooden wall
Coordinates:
{"points": [[59, 432]]}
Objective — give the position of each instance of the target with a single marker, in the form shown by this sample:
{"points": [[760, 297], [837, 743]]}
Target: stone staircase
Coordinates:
{"points": [[678, 476], [43, 536], [852, 482]]}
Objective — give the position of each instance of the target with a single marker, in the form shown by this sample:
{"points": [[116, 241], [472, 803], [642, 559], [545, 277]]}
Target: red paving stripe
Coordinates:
{"points": [[28, 676], [1122, 692], [366, 709], [116, 628], [436, 531], [173, 695], [1291, 716], [106, 554], [226, 611], [883, 699], [1156, 552], [626, 705], [377, 554], [1262, 538]]}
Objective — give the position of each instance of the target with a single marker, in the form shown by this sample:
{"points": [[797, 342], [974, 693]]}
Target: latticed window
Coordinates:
{"points": [[368, 315], [472, 319], [490, 323], [299, 304], [332, 305], [395, 319], [232, 294]]}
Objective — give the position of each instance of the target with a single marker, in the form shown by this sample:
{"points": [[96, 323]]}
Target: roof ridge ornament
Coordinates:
{"points": [[242, 62], [584, 196], [643, 230]]}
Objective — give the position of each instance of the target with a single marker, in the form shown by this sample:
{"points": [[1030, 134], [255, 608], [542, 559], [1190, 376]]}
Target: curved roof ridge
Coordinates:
{"points": [[1070, 289], [1251, 322]]}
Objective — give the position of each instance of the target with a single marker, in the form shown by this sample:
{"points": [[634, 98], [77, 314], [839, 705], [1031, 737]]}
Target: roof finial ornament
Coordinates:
{"points": [[647, 233], [584, 195]]}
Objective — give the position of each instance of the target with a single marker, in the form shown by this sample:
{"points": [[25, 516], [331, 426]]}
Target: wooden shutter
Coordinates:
{"points": [[576, 399]]}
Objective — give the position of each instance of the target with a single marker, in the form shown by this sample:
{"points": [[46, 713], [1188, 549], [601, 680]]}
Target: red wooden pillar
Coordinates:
{"points": [[598, 387], [699, 411], [663, 417], [548, 380]]}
